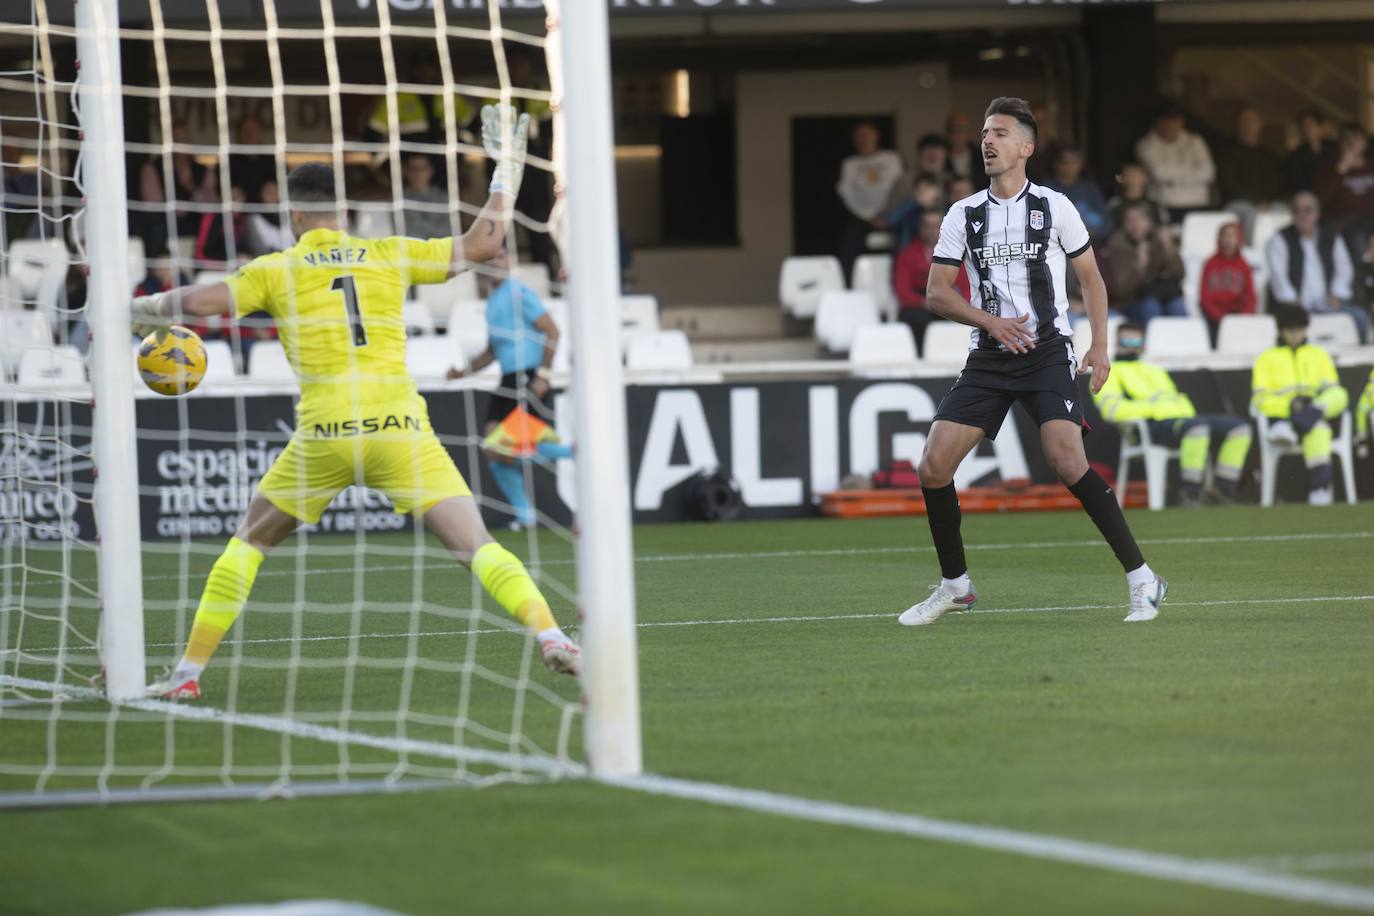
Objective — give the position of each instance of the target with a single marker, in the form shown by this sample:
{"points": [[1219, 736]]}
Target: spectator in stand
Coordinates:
{"points": [[223, 237], [427, 211], [904, 219], [932, 157], [1251, 177], [1364, 278], [1363, 410], [421, 117], [148, 215], [1295, 384], [1136, 390], [1133, 187], [1228, 283], [1346, 186], [1040, 167], [910, 272], [1309, 265], [1313, 152], [195, 184], [965, 157], [1180, 164], [1147, 271], [18, 195], [1070, 180], [959, 188], [867, 181], [266, 233], [251, 170]]}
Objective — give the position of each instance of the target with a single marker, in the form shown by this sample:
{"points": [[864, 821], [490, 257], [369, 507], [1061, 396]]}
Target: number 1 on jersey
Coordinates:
{"points": [[355, 315]]}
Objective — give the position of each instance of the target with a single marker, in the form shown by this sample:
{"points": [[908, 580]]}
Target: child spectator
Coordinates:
{"points": [[904, 219], [1071, 180], [910, 272], [1146, 268], [1133, 185], [1228, 283]]}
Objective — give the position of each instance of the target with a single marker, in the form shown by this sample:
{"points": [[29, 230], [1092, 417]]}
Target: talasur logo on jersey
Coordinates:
{"points": [[1003, 253], [1037, 219]]}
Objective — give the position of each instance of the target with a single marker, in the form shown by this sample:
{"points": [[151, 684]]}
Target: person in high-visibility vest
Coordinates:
{"points": [[1138, 390], [421, 117], [1295, 384], [1362, 413]]}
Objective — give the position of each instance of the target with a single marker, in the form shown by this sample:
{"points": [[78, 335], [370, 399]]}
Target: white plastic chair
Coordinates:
{"points": [[1333, 330], [40, 267], [637, 315], [536, 276], [374, 222], [219, 363], [1342, 450], [840, 312], [887, 350], [138, 262], [21, 330], [439, 298], [417, 319], [1200, 230], [946, 344], [1267, 225], [804, 279], [1193, 265], [432, 357], [659, 350], [467, 326], [1170, 337], [1083, 337], [562, 355], [1136, 443], [52, 367], [873, 274], [11, 293], [267, 363], [1246, 335]]}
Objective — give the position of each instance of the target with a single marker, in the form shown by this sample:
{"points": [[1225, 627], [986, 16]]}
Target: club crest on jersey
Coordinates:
{"points": [[1037, 219]]}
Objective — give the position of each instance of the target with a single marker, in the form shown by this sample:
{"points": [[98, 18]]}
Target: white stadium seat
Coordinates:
{"points": [[1342, 451], [1193, 265], [21, 330], [467, 325], [535, 276], [1246, 335], [417, 319], [562, 356], [40, 267], [1083, 337], [803, 280], [1333, 330], [946, 344], [659, 350], [267, 363], [432, 357], [1169, 337], [1267, 225], [839, 313], [373, 221], [873, 274], [883, 349], [637, 314], [439, 298], [138, 262], [1200, 230], [52, 367], [219, 363]]}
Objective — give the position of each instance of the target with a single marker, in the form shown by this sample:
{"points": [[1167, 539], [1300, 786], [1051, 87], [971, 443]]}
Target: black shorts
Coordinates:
{"points": [[1043, 381], [503, 399]]}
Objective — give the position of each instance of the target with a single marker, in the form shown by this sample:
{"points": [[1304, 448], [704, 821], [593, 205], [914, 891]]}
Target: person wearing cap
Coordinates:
{"points": [[1137, 390], [1295, 385]]}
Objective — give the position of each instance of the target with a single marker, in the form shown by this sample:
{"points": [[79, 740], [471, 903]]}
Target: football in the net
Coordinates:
{"points": [[172, 362]]}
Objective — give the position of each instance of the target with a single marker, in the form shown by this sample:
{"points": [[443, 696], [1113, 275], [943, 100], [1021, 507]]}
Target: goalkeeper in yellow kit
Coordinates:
{"points": [[337, 303]]}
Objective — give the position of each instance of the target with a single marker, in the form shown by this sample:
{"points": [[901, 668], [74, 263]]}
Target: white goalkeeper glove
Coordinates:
{"points": [[151, 313], [504, 136]]}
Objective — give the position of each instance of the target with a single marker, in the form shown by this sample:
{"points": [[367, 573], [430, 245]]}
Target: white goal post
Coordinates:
{"points": [[86, 619]]}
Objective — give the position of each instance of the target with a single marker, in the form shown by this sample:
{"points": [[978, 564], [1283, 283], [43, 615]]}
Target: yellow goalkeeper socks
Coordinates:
{"points": [[226, 591], [506, 580]]}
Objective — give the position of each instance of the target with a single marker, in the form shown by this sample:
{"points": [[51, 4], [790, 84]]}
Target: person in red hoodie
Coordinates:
{"points": [[1228, 283], [910, 272]]}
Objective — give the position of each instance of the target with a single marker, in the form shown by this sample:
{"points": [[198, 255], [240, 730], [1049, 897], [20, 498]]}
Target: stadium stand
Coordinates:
{"points": [[1246, 335], [1169, 338], [839, 313], [52, 367], [883, 350], [803, 280], [873, 274]]}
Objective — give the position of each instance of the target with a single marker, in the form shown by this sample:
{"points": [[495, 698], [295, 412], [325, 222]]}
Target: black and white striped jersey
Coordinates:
{"points": [[1016, 251]]}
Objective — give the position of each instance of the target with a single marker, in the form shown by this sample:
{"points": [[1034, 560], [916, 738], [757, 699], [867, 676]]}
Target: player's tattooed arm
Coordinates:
{"points": [[486, 237], [1016, 334], [1095, 301]]}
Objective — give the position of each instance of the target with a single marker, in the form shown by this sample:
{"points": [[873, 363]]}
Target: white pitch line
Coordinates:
{"points": [[1322, 861], [809, 553], [738, 621], [1162, 866]]}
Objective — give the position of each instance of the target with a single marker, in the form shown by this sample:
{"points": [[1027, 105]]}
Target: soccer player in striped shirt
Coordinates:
{"points": [[1016, 238]]}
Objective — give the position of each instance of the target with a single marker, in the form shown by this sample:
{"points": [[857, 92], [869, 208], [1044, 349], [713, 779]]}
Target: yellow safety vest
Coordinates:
{"points": [[1284, 373], [1139, 391]]}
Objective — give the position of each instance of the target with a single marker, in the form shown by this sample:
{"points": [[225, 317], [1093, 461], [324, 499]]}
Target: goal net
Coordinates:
{"points": [[365, 657]]}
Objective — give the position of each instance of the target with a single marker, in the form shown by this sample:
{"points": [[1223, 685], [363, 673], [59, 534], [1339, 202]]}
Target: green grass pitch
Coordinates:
{"points": [[1237, 727]]}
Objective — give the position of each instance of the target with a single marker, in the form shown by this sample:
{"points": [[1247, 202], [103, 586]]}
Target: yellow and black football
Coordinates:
{"points": [[172, 362]]}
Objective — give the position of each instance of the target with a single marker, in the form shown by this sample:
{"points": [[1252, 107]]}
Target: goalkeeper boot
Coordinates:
{"points": [[174, 686], [942, 601], [1146, 599], [561, 656]]}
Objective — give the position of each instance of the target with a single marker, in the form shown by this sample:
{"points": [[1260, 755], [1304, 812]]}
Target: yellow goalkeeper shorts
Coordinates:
{"points": [[391, 450]]}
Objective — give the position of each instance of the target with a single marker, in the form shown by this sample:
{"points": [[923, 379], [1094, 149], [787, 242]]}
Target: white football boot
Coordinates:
{"points": [[561, 656], [941, 601], [1146, 599], [175, 686]]}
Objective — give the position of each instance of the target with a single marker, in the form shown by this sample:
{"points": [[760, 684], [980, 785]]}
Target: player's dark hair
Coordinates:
{"points": [[1014, 108], [312, 183]]}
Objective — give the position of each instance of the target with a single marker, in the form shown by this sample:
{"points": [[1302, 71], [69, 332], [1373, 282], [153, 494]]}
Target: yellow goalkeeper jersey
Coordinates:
{"points": [[337, 304]]}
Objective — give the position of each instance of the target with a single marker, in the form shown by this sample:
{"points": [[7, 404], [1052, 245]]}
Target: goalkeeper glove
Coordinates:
{"points": [[151, 313], [504, 137]]}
